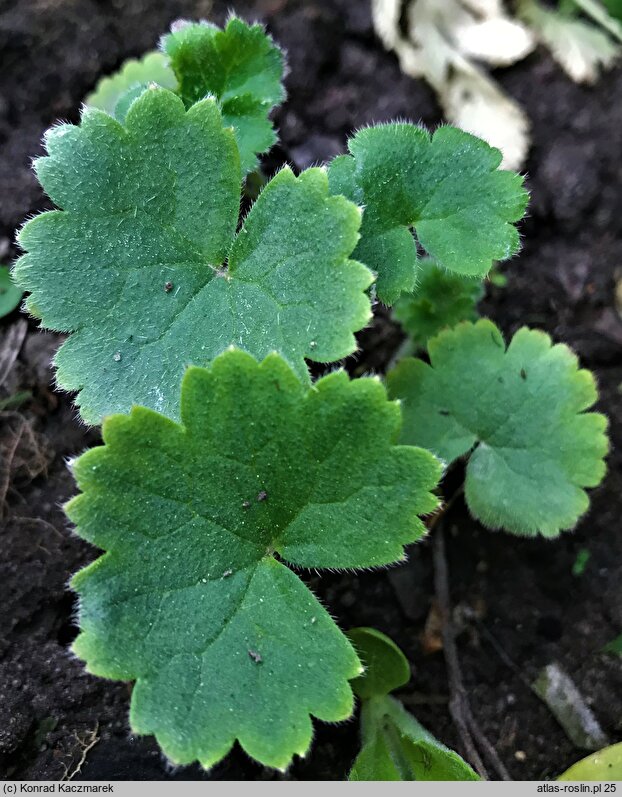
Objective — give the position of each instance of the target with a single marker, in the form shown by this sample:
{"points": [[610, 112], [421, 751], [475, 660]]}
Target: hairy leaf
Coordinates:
{"points": [[397, 747], [241, 67], [441, 299], [448, 187], [144, 266], [224, 641], [134, 76], [10, 294], [386, 667], [520, 415]]}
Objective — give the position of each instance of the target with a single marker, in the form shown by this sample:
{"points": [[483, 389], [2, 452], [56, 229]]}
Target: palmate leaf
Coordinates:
{"points": [[441, 299], [241, 67], [224, 641], [520, 414], [134, 76], [144, 266], [448, 187]]}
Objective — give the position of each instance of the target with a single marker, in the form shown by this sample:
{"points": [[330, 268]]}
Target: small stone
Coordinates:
{"points": [[520, 755]]}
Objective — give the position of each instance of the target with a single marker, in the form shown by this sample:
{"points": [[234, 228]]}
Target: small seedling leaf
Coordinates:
{"points": [[441, 299], [241, 67], [518, 412], [224, 641], [10, 294], [448, 187], [397, 747], [144, 266], [134, 77], [386, 667]]}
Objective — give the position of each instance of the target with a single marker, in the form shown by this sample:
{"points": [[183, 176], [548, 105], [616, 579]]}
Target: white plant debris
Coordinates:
{"points": [[450, 43], [579, 47]]}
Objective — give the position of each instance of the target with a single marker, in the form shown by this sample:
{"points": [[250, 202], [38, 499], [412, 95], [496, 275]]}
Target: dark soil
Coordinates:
{"points": [[520, 599]]}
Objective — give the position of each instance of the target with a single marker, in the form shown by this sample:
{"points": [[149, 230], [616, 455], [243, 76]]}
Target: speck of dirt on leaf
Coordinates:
{"points": [[246, 504], [117, 356], [313, 344], [168, 286], [227, 573], [256, 657], [523, 373], [262, 496]]}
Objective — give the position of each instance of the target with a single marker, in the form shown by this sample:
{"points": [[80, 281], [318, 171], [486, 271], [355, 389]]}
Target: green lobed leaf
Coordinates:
{"points": [[190, 599], [134, 76], [386, 667], [10, 293], [143, 264], [397, 747], [448, 187], [605, 765], [519, 413], [241, 67], [441, 299]]}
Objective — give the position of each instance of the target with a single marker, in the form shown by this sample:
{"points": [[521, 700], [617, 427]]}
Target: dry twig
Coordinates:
{"points": [[473, 738]]}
